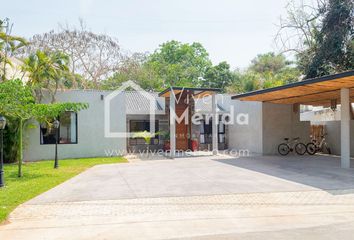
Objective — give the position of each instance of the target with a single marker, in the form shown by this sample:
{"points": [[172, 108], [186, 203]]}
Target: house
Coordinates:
{"points": [[256, 121], [82, 134]]}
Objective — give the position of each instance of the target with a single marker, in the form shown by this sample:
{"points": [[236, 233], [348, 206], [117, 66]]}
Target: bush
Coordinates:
{"points": [[11, 141]]}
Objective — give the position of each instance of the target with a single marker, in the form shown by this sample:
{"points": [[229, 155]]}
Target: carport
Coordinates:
{"points": [[323, 91]]}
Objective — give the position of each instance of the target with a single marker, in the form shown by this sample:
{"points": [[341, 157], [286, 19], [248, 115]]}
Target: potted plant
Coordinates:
{"points": [[146, 136], [194, 144], [166, 142]]}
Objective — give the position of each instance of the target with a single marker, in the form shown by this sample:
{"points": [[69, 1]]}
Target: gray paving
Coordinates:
{"points": [[195, 198]]}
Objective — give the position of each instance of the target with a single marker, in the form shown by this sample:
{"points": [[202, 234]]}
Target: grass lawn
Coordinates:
{"points": [[39, 177]]}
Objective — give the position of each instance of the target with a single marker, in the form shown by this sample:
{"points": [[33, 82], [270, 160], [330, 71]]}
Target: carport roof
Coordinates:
{"points": [[316, 91]]}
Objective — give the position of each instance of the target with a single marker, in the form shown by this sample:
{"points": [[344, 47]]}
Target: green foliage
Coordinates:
{"points": [[266, 71], [11, 140], [40, 177], [9, 44], [180, 64], [134, 68], [18, 104], [145, 135], [332, 50], [46, 70], [219, 76]]}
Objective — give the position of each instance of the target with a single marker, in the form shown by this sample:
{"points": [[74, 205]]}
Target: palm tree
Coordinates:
{"points": [[8, 46], [46, 71]]}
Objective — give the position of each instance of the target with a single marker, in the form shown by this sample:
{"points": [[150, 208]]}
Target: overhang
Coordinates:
{"points": [[316, 91], [197, 92]]}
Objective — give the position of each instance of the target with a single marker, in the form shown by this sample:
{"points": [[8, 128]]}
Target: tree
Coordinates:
{"points": [[334, 42], [320, 34], [180, 64], [266, 71], [17, 103], [134, 68], [219, 76], [46, 71], [94, 56], [8, 46], [298, 29]]}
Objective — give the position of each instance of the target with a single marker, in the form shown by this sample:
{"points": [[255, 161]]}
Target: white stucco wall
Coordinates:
{"points": [[332, 128], [279, 122], [268, 125], [246, 137], [91, 139]]}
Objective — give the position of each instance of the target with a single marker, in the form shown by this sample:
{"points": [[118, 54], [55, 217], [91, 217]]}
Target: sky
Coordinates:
{"points": [[231, 30]]}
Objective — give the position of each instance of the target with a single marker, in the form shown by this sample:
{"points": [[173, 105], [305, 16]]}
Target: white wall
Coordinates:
{"points": [[332, 129], [91, 140], [268, 125], [279, 122], [246, 137]]}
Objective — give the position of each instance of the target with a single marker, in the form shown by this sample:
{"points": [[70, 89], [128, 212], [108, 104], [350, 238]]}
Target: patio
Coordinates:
{"points": [[194, 197]]}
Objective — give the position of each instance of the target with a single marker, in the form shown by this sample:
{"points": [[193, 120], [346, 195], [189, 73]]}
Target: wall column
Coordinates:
{"points": [[345, 127], [172, 125], [215, 125]]}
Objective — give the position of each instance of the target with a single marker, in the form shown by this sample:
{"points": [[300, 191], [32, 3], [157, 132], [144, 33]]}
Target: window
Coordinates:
{"points": [[206, 132], [221, 132], [67, 130], [140, 126]]}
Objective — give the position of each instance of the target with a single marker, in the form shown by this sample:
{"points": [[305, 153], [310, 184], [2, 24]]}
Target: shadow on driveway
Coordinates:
{"points": [[321, 172]]}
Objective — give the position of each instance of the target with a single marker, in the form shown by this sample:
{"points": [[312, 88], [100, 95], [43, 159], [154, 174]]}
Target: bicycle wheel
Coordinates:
{"points": [[283, 149], [328, 150], [300, 148], [311, 148]]}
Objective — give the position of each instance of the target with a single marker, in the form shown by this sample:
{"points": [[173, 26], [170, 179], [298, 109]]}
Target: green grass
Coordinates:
{"points": [[39, 177]]}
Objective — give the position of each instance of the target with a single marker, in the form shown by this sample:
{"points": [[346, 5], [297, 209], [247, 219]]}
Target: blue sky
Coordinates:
{"points": [[231, 30]]}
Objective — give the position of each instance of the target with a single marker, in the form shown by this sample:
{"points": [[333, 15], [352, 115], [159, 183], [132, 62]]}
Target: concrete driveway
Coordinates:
{"points": [[196, 198]]}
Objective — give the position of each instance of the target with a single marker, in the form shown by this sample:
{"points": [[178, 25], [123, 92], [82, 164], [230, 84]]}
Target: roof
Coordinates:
{"points": [[205, 105], [207, 108], [315, 91], [197, 92], [137, 103]]}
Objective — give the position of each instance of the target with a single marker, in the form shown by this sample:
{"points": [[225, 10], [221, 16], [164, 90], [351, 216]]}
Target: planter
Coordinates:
{"points": [[166, 146], [194, 145]]}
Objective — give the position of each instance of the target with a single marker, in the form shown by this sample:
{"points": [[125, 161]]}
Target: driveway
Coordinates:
{"points": [[196, 198]]}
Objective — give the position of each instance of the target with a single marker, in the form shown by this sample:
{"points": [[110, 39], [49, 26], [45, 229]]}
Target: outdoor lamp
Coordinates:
{"points": [[2, 122], [2, 127], [56, 125]]}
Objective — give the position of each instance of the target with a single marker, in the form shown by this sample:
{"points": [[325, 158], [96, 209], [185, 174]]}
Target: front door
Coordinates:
{"points": [[181, 131]]}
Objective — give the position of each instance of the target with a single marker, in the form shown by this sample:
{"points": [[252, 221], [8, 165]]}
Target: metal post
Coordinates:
{"points": [[56, 165], [215, 125], [2, 182], [172, 125]]}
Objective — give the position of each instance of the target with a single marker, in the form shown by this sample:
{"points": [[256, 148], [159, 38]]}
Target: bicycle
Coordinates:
{"points": [[290, 145], [315, 146]]}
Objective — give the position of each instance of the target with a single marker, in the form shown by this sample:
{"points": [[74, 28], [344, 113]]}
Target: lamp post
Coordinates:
{"points": [[2, 127], [56, 125]]}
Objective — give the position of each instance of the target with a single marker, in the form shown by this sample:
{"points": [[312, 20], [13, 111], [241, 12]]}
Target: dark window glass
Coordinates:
{"points": [[141, 126], [206, 132], [67, 130]]}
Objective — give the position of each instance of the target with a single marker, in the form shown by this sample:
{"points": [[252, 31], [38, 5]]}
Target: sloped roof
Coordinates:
{"points": [[137, 103]]}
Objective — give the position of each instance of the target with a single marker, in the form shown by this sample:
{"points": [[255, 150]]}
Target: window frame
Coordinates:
{"points": [[77, 132]]}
